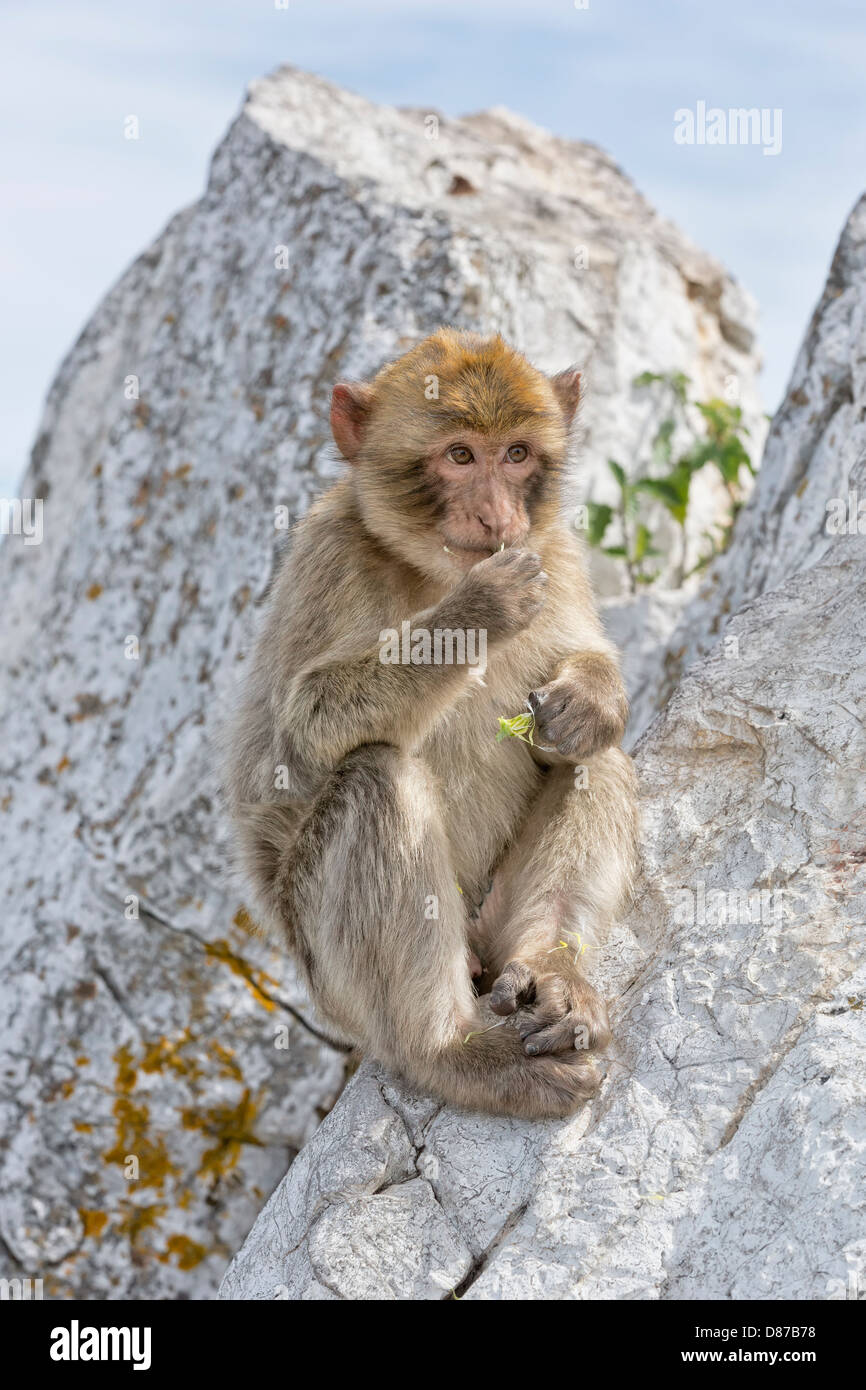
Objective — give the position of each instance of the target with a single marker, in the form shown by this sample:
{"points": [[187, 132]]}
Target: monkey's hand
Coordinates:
{"points": [[559, 1009], [583, 710], [500, 595]]}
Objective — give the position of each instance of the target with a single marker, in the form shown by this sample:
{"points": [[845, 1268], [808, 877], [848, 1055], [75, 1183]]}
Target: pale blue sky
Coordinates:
{"points": [[79, 201]]}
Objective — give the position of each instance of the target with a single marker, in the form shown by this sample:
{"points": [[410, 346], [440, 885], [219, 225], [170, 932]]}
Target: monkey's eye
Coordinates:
{"points": [[518, 453], [460, 454]]}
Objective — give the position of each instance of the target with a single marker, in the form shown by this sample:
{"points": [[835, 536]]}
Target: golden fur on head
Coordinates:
{"points": [[455, 382]]}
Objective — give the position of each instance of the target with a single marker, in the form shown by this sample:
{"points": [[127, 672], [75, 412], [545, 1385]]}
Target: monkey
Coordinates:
{"points": [[391, 843]]}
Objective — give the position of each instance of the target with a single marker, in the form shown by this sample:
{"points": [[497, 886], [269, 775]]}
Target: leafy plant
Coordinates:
{"points": [[520, 726], [720, 443]]}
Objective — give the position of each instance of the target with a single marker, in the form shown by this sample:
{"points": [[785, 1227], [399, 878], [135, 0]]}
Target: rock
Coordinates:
{"points": [[817, 435], [186, 426], [725, 1155]]}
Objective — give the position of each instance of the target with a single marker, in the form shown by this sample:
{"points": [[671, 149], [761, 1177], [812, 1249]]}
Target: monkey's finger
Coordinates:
{"points": [[548, 704], [527, 562], [515, 986]]}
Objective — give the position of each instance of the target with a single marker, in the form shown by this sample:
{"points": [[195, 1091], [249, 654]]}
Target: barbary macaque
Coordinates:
{"points": [[393, 844]]}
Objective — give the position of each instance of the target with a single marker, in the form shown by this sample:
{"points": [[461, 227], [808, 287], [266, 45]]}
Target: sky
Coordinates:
{"points": [[79, 202]]}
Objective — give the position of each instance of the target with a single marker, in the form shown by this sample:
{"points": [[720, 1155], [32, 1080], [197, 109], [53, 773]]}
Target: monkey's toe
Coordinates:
{"points": [[564, 1017], [566, 1033], [514, 988]]}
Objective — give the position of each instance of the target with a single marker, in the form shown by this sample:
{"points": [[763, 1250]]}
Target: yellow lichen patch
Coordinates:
{"points": [[82, 1061], [126, 1071], [189, 1253], [93, 592], [63, 764], [179, 474], [132, 1136], [226, 1058], [231, 1126], [154, 1164], [244, 921], [83, 1128], [137, 1219], [93, 1221], [163, 1054], [255, 980]]}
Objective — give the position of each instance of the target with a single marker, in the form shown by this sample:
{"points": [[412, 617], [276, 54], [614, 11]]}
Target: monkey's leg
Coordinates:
{"points": [[553, 899], [371, 904]]}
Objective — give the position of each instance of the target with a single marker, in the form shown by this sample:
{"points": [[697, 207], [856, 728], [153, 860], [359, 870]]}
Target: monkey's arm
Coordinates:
{"points": [[345, 700], [582, 707], [348, 697]]}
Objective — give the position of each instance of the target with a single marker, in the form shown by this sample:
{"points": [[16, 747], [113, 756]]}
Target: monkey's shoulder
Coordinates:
{"points": [[336, 584]]}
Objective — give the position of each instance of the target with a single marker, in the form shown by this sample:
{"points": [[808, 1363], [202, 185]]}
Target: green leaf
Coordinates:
{"points": [[618, 472], [646, 379], [641, 541], [679, 384], [520, 726], [618, 551], [662, 442], [672, 491], [599, 517]]}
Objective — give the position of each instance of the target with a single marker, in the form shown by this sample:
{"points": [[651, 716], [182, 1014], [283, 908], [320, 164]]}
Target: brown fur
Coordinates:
{"points": [[397, 790]]}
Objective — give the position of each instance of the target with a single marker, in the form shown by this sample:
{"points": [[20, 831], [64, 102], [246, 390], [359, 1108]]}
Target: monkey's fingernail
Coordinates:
{"points": [[532, 1050]]}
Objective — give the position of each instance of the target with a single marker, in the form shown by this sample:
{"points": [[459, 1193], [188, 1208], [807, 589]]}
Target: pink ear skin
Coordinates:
{"points": [[350, 411], [566, 386]]}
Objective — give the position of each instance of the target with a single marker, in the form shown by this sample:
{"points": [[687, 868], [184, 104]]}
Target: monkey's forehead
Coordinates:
{"points": [[498, 422], [466, 362]]}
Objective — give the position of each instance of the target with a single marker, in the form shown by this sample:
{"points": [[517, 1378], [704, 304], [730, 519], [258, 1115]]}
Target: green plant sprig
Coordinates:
{"points": [[721, 444], [521, 726]]}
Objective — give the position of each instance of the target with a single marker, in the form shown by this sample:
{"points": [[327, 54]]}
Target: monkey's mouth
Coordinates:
{"points": [[477, 550]]}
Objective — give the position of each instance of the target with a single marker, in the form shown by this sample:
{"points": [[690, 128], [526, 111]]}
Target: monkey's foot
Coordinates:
{"points": [[558, 1010], [476, 969]]}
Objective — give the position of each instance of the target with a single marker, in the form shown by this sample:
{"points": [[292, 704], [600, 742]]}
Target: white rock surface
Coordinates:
{"points": [[725, 1155], [817, 435], [193, 405]]}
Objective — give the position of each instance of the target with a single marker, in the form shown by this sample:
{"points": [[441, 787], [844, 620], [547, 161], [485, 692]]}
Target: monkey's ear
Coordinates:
{"points": [[566, 386], [350, 413]]}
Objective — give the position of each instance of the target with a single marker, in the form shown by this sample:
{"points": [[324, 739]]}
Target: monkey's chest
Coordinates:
{"points": [[485, 787]]}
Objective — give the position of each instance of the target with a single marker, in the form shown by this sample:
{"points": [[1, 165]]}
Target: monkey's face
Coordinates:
{"points": [[485, 490], [458, 449]]}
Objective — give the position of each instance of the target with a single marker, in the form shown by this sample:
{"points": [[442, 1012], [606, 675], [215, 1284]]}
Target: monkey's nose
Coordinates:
{"points": [[495, 528]]}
